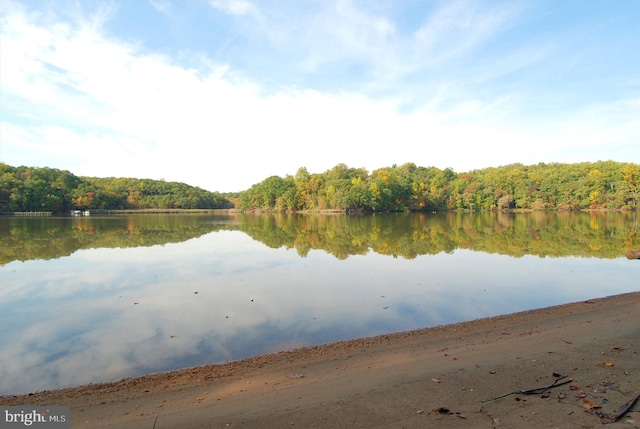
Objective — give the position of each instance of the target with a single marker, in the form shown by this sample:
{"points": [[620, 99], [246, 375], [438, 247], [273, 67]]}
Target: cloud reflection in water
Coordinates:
{"points": [[74, 320]]}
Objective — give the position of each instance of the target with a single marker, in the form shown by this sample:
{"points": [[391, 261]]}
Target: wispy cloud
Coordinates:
{"points": [[234, 7], [161, 6], [344, 82]]}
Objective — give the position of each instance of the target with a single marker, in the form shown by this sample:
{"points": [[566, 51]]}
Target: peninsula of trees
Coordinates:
{"points": [[599, 185], [24, 189]]}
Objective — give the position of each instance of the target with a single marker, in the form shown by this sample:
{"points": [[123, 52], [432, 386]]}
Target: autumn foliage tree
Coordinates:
{"points": [[539, 187], [52, 190]]}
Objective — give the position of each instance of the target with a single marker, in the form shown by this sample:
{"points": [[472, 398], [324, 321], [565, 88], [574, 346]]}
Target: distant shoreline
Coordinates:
{"points": [[318, 211], [129, 211]]}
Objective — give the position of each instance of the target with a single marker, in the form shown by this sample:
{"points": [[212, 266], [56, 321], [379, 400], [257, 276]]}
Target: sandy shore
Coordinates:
{"points": [[439, 377]]}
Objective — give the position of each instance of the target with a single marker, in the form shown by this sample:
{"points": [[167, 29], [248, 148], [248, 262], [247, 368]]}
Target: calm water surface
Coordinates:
{"points": [[101, 298]]}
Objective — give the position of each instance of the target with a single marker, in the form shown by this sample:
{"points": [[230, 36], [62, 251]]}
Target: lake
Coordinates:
{"points": [[99, 298]]}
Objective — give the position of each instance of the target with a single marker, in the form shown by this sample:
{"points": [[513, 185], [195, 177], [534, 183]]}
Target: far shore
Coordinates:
{"points": [[571, 366], [314, 211]]}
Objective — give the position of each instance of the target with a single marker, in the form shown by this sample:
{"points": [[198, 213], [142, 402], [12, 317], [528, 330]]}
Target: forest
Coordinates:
{"points": [[539, 187], [25, 189]]}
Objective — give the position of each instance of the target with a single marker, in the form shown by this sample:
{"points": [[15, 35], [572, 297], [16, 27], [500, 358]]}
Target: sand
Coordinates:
{"points": [[443, 377]]}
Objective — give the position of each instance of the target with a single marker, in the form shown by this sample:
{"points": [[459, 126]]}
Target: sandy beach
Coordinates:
{"points": [[570, 366]]}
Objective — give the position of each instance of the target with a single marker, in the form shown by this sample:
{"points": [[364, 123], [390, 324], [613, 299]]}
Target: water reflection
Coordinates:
{"points": [[217, 292], [24, 238], [595, 234]]}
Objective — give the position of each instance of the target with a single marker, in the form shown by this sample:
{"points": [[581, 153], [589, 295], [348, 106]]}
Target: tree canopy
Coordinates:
{"points": [[52, 190], [603, 184], [408, 187]]}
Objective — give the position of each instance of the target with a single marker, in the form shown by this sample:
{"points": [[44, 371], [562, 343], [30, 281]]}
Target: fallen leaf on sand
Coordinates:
{"points": [[588, 405]]}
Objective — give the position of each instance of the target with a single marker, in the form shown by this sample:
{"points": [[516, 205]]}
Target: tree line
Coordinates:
{"points": [[52, 190], [555, 186]]}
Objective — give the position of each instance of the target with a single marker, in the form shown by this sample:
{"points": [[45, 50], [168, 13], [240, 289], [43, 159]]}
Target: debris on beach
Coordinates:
{"points": [[446, 411], [588, 405]]}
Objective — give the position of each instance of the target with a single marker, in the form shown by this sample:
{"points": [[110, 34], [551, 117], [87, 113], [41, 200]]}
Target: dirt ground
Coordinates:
{"points": [[489, 373]]}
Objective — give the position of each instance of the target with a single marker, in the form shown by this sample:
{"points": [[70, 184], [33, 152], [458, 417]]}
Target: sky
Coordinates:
{"points": [[222, 94]]}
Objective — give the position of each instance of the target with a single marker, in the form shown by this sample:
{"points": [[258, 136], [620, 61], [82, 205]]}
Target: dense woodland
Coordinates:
{"points": [[599, 185], [24, 189], [606, 185]]}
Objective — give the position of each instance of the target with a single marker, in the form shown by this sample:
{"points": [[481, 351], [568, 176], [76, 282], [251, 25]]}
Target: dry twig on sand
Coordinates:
{"points": [[536, 391], [611, 418]]}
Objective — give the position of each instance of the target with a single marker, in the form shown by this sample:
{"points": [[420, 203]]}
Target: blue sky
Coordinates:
{"points": [[224, 93]]}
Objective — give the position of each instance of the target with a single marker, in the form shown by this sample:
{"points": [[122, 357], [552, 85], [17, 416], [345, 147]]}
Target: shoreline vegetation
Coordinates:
{"points": [[121, 212], [309, 211], [602, 185], [34, 189], [569, 365], [408, 187]]}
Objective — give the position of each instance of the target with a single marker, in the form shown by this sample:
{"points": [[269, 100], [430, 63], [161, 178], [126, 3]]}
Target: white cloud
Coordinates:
{"points": [[161, 6], [101, 106], [459, 26], [234, 7]]}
